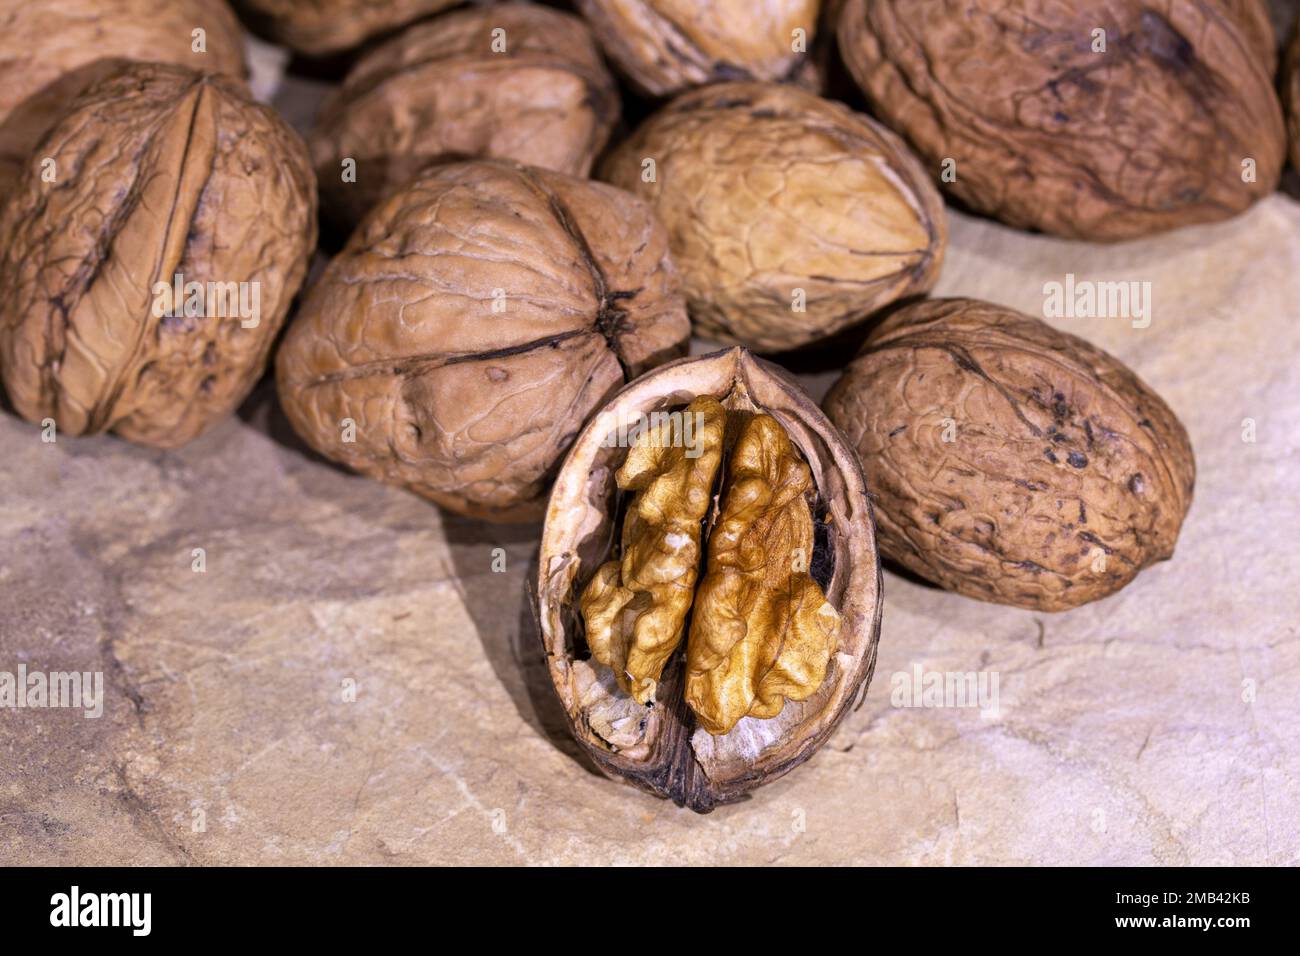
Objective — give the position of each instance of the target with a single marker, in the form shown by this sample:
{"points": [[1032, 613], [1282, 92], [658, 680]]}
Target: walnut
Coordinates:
{"points": [[668, 46], [784, 613], [452, 88], [1174, 122], [52, 50], [1009, 461], [162, 180], [1291, 95], [790, 217], [323, 27], [474, 320]]}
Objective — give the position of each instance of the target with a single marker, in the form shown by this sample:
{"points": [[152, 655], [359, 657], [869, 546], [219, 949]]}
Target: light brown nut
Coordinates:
{"points": [[323, 27], [475, 319], [1009, 461], [158, 172], [668, 46], [53, 49], [635, 607], [1174, 122], [454, 88], [790, 217], [765, 673]]}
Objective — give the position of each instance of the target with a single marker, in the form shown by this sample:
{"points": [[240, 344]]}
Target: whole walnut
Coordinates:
{"points": [[708, 590], [474, 320], [322, 27], [52, 50], [1291, 95], [1009, 461], [1101, 119], [667, 46], [790, 217], [516, 81], [162, 180]]}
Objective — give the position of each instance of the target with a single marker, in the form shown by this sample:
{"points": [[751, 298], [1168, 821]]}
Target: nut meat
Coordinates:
{"points": [[474, 321], [444, 89], [1009, 461], [668, 46], [159, 172], [1174, 122], [699, 681], [52, 50], [790, 217]]}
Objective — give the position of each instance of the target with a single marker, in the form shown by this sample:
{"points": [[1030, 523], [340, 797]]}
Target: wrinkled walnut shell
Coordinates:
{"points": [[1291, 96], [437, 91], [1047, 134], [52, 50], [668, 46], [661, 748], [1009, 461], [158, 171], [475, 319], [322, 27], [768, 192]]}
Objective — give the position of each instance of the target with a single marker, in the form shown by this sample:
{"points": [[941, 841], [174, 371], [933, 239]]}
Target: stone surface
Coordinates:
{"points": [[1159, 726]]}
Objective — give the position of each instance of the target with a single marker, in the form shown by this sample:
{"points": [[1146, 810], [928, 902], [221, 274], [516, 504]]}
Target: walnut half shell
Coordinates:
{"points": [[783, 625]]}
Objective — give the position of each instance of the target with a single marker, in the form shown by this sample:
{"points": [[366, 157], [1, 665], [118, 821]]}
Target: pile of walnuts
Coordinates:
{"points": [[529, 211]]}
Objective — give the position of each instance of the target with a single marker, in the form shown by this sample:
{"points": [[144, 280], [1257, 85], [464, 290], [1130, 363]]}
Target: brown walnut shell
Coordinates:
{"points": [[1009, 461], [668, 46], [323, 27], [158, 171], [1150, 135], [475, 319], [772, 195], [52, 50], [1291, 96], [438, 91], [661, 745]]}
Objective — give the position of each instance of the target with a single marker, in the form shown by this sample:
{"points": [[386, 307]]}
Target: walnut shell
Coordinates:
{"points": [[662, 746], [158, 171], [1291, 96], [322, 27], [475, 319], [1009, 461], [52, 50], [668, 46], [772, 195], [1047, 134], [439, 91]]}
